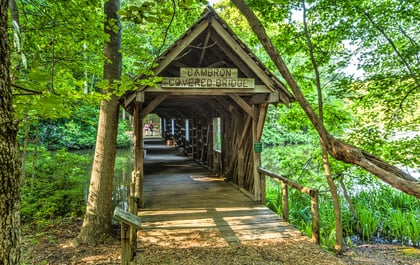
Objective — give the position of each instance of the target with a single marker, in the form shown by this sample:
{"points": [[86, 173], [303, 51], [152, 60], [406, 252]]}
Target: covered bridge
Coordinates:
{"points": [[213, 100]]}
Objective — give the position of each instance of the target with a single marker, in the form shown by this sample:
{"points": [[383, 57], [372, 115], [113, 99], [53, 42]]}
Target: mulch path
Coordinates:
{"points": [[54, 247]]}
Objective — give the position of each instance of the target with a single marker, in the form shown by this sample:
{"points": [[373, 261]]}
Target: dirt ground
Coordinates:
{"points": [[54, 247]]}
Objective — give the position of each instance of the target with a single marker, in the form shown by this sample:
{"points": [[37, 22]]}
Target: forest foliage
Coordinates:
{"points": [[368, 56]]}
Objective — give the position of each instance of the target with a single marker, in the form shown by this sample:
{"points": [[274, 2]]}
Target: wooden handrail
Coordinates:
{"points": [[312, 193]]}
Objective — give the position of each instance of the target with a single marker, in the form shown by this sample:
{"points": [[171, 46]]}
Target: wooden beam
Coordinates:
{"points": [[138, 174], [235, 58], [182, 91], [129, 99], [152, 105], [256, 163], [140, 96], [178, 64], [241, 166], [181, 45], [236, 47], [272, 97], [244, 105], [261, 120], [230, 108], [218, 108], [218, 64], [206, 42], [245, 130], [258, 99], [286, 98]]}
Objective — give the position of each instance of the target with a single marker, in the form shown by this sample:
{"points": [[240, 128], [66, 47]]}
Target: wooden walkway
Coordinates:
{"points": [[195, 218], [185, 205]]}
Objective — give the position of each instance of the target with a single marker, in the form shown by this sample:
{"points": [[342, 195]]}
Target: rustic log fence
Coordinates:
{"points": [[312, 193]]}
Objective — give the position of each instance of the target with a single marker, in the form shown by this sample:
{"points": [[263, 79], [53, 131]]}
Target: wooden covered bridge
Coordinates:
{"points": [[212, 100]]}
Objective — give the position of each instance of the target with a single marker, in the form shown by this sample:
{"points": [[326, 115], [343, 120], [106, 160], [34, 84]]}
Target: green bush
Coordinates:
{"points": [[53, 188], [75, 133], [123, 138]]}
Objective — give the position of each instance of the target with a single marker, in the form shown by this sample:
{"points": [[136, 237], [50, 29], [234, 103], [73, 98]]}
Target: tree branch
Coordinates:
{"points": [[394, 47], [169, 25], [337, 149], [412, 41], [30, 91]]}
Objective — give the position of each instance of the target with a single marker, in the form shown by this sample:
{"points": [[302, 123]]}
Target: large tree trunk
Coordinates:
{"points": [[10, 163], [338, 149], [98, 216]]}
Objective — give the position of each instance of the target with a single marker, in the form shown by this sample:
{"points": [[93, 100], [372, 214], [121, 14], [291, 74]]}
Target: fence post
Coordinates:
{"points": [[263, 187], [133, 208], [315, 216], [125, 244], [285, 201]]}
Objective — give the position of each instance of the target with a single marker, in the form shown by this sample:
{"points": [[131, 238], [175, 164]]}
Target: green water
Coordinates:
{"points": [[122, 178]]}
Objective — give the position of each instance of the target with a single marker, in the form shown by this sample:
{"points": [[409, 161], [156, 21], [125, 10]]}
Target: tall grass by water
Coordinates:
{"points": [[382, 213]]}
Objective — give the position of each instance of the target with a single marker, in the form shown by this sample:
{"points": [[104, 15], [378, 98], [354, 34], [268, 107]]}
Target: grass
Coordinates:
{"points": [[383, 213]]}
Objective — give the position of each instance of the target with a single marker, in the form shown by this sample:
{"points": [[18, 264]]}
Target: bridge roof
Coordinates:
{"points": [[209, 43]]}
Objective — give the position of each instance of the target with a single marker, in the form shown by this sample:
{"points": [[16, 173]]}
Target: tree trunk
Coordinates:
{"points": [[339, 150], [97, 222], [333, 188], [10, 163], [336, 203]]}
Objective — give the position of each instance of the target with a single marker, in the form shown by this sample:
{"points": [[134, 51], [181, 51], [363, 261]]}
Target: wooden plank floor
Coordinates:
{"points": [[185, 205]]}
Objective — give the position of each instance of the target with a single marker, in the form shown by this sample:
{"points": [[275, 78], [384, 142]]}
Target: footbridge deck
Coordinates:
{"points": [[194, 217]]}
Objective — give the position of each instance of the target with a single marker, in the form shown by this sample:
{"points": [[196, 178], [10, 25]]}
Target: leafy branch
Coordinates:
{"points": [[29, 92]]}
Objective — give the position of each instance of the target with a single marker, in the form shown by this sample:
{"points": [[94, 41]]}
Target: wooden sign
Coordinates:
{"points": [[209, 72], [208, 78], [127, 218]]}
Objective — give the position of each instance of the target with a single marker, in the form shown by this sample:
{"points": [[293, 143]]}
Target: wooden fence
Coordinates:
{"points": [[312, 193]]}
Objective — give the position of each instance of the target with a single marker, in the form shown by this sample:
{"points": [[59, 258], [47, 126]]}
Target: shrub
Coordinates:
{"points": [[55, 188]]}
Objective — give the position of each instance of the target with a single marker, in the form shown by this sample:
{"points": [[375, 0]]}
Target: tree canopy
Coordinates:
{"points": [[330, 36]]}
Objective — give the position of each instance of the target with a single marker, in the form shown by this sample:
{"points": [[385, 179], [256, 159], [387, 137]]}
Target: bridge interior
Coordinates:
{"points": [[195, 217], [184, 199]]}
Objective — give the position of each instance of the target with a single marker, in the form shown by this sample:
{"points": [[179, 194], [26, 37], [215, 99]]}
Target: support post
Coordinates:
{"points": [[138, 177], [256, 137], [315, 216], [257, 130], [132, 208], [241, 166], [129, 222], [263, 186], [312, 193], [285, 201], [125, 244], [257, 179]]}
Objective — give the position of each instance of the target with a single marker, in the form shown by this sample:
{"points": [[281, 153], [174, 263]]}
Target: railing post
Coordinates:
{"points": [[126, 254], [285, 201], [312, 193], [129, 222], [263, 187], [132, 208], [315, 216]]}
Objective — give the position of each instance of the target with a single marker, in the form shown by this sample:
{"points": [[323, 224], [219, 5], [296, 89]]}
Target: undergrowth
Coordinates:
{"points": [[52, 188], [384, 215]]}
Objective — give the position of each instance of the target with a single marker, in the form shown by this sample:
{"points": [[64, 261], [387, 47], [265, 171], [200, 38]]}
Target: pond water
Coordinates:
{"points": [[124, 164]]}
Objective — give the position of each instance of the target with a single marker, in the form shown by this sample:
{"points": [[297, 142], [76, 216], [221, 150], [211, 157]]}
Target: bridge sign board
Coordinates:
{"points": [[209, 72], [208, 78]]}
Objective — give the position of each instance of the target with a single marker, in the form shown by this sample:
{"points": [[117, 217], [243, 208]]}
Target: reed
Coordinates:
{"points": [[383, 214]]}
